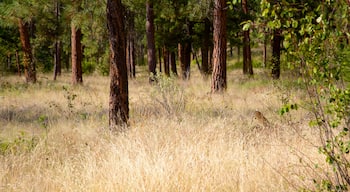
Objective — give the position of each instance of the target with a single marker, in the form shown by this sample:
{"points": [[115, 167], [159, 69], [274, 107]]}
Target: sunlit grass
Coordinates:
{"points": [[181, 137]]}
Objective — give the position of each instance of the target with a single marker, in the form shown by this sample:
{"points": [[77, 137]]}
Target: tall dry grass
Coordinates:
{"points": [[181, 137]]}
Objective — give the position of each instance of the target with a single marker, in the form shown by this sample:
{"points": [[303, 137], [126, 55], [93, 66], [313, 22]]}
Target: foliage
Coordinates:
{"points": [[314, 42]]}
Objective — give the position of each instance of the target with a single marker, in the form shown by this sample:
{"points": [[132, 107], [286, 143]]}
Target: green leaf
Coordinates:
{"points": [[246, 26], [319, 19]]}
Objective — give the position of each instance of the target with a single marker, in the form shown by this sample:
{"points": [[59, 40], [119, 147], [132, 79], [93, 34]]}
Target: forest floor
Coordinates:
{"points": [[54, 136]]}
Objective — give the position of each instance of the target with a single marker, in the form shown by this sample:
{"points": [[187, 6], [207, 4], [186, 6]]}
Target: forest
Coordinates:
{"points": [[174, 95]]}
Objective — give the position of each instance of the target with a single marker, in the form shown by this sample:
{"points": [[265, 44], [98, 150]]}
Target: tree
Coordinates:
{"points": [[57, 46], [28, 62], [77, 55], [76, 47], [151, 47], [119, 97], [219, 54], [247, 56], [21, 15], [276, 54]]}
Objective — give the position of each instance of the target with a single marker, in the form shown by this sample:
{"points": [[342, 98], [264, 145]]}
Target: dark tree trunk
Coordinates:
{"points": [[131, 61], [18, 64], [276, 54], [77, 73], [265, 50], [219, 53], [205, 47], [166, 61], [151, 47], [173, 63], [57, 60], [28, 62], [238, 53], [185, 53], [9, 61], [57, 55], [160, 59], [119, 96], [247, 56]]}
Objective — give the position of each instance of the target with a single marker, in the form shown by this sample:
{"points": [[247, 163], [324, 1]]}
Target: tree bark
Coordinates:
{"points": [[166, 61], [276, 54], [265, 50], [205, 47], [77, 73], [28, 62], [247, 56], [119, 96], [131, 61], [18, 64], [151, 47], [219, 53], [185, 53], [173, 63], [57, 60]]}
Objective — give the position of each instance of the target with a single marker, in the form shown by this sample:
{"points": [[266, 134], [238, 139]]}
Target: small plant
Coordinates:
{"points": [[70, 97], [168, 94], [21, 144]]}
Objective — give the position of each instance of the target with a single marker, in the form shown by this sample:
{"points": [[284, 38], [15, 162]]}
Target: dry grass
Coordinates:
{"points": [[180, 139]]}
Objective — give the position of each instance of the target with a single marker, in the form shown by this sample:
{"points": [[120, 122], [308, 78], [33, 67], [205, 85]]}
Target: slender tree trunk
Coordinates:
{"points": [[28, 62], [77, 75], [173, 62], [151, 47], [205, 47], [166, 61], [160, 59], [219, 53], [57, 55], [276, 54], [18, 63], [247, 56], [57, 60], [119, 96], [265, 50], [9, 61], [185, 51], [238, 53]]}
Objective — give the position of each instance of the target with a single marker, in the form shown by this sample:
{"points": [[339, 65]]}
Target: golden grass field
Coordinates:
{"points": [[54, 137]]}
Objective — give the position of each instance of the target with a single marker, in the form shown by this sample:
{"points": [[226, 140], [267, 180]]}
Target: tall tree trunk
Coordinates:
{"points": [[276, 54], [57, 60], [9, 61], [205, 47], [265, 50], [219, 53], [77, 74], [238, 53], [160, 59], [119, 95], [185, 51], [28, 62], [166, 61], [151, 47], [173, 62], [247, 56], [18, 63], [57, 55], [131, 47]]}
